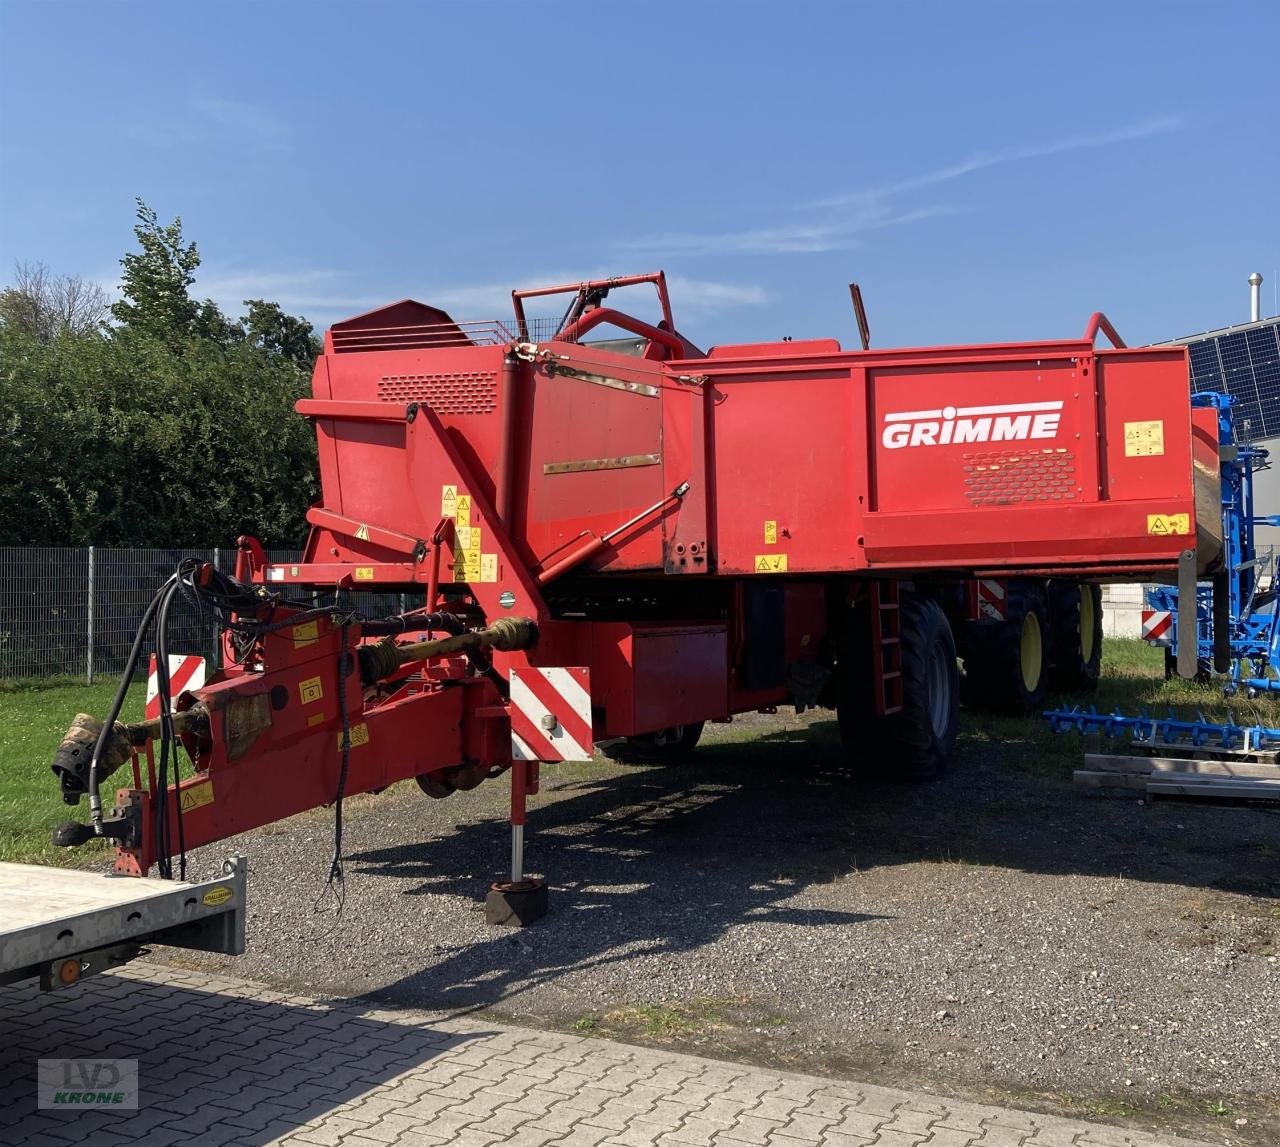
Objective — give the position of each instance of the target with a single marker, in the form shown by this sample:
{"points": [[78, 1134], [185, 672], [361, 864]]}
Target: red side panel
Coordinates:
{"points": [[650, 677], [591, 453]]}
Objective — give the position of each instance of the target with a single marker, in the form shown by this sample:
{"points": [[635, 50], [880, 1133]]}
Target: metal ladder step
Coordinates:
{"points": [[886, 647]]}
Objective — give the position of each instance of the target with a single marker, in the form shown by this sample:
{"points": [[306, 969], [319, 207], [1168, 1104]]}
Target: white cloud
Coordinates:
{"points": [[835, 233], [704, 296], [315, 293], [978, 161], [839, 222]]}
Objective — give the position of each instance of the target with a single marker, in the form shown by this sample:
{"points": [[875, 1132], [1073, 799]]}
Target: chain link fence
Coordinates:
{"points": [[74, 612]]}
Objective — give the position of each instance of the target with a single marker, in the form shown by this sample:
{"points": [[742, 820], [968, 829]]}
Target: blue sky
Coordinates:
{"points": [[987, 171]]}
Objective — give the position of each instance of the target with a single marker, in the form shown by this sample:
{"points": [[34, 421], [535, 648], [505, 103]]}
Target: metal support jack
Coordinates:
{"points": [[521, 900]]}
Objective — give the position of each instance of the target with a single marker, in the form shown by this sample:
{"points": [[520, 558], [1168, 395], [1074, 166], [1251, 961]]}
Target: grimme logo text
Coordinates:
{"points": [[952, 425]]}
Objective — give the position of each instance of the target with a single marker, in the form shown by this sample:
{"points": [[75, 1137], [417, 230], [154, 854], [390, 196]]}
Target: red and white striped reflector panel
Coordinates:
{"points": [[186, 671], [1157, 626], [991, 597], [551, 715]]}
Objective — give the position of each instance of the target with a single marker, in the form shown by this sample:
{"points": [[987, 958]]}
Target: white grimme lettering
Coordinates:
{"points": [[955, 429], [1006, 429], [1045, 425]]}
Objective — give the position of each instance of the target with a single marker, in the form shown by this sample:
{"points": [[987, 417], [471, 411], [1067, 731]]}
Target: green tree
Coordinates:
{"points": [[156, 281], [178, 430], [269, 329]]}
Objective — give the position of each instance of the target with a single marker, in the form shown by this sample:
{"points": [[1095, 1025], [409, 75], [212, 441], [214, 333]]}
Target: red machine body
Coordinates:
{"points": [[688, 530], [1001, 457]]}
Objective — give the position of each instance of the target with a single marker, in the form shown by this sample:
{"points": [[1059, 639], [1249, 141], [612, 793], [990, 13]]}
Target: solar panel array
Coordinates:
{"points": [[1246, 365]]}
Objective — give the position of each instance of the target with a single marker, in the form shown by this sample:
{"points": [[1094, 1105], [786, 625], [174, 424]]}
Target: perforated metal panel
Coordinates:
{"points": [[473, 392], [1019, 478]]}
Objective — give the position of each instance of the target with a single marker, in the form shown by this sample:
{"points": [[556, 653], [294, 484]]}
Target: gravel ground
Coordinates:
{"points": [[996, 935]]}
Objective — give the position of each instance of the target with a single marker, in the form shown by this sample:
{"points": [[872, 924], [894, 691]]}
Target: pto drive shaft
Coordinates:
{"points": [[71, 761], [506, 635]]}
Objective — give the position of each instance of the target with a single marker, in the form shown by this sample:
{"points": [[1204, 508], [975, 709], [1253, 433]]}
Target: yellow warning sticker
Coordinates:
{"points": [[216, 896], [448, 501], [466, 565], [359, 736], [311, 690], [488, 567], [362, 532], [1144, 439], [1168, 523], [314, 720], [462, 536], [771, 563], [462, 510], [196, 796], [364, 573], [308, 633], [771, 533]]}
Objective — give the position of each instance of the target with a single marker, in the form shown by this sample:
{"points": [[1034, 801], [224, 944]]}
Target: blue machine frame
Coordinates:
{"points": [[1251, 617]]}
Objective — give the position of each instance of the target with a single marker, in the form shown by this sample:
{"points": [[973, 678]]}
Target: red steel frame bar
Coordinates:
{"points": [[1099, 322], [657, 278]]}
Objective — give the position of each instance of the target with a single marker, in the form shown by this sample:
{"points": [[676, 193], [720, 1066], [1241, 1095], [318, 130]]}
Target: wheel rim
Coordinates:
{"points": [[1086, 623], [1032, 652], [939, 691]]}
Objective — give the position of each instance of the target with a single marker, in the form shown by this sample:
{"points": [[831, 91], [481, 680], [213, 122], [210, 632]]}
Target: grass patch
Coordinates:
{"points": [[32, 723], [697, 1017], [1108, 1108]]}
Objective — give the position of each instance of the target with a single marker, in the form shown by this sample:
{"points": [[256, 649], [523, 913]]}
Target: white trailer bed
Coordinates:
{"points": [[63, 924]]}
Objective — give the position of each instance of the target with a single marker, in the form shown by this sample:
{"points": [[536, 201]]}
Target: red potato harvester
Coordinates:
{"points": [[617, 540]]}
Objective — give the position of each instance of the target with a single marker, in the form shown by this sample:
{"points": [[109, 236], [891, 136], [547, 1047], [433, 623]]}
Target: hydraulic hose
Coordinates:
{"points": [[126, 678]]}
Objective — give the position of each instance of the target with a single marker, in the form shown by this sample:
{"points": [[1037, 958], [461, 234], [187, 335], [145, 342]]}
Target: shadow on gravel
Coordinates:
{"points": [[666, 859]]}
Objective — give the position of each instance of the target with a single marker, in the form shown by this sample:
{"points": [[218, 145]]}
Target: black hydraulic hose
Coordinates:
{"points": [[168, 744], [414, 620], [335, 866], [126, 678]]}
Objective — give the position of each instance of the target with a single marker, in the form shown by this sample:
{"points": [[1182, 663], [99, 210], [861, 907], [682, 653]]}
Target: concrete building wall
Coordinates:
{"points": [[1122, 610], [1266, 497]]}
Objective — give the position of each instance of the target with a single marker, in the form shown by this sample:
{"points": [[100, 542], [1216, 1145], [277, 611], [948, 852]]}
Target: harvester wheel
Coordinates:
{"points": [[433, 786], [914, 744], [1076, 615], [666, 746], [1006, 662]]}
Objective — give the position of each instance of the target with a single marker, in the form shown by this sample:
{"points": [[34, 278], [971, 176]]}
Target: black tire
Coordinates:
{"points": [[666, 746], [1006, 663], [916, 743], [1075, 614], [1204, 671]]}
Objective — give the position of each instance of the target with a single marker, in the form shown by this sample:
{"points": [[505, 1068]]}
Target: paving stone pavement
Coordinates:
{"points": [[228, 1061]]}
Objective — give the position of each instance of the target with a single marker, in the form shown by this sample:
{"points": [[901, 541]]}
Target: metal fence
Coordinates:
{"points": [[74, 612]]}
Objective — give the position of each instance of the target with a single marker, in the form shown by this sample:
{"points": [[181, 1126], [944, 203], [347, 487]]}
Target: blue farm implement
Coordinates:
{"points": [[1237, 626]]}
